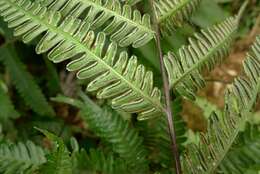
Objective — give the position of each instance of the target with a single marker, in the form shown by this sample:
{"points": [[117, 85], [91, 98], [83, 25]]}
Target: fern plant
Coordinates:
{"points": [[17, 158], [126, 121], [240, 98]]}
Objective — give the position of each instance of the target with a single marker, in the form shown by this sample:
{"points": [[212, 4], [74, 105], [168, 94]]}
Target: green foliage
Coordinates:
{"points": [[97, 161], [21, 158], [173, 13], [207, 50], [124, 25], [156, 135], [222, 131], [7, 108], [119, 78], [24, 82], [118, 125], [58, 161], [124, 139], [245, 154], [131, 2], [114, 130]]}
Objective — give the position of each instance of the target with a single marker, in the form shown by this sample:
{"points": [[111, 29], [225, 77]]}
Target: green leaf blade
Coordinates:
{"points": [[24, 82]]}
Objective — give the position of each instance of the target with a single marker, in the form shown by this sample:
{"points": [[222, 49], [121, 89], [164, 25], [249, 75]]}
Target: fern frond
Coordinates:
{"points": [[252, 63], [222, 131], [118, 78], [96, 161], [24, 82], [173, 13], [6, 106], [205, 51], [58, 161], [21, 158], [124, 139], [243, 155], [125, 26], [131, 2], [113, 129]]}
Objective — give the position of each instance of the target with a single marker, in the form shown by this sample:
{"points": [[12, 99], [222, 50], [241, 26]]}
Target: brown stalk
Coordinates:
{"points": [[166, 88]]}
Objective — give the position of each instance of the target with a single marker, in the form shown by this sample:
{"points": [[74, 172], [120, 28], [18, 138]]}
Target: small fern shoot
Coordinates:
{"points": [[59, 160]]}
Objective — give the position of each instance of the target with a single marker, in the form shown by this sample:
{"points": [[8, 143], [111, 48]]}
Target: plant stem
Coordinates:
{"points": [[166, 88]]}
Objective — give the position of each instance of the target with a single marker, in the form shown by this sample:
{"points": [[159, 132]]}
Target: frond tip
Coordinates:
{"points": [[173, 13], [119, 78], [126, 26], [207, 50]]}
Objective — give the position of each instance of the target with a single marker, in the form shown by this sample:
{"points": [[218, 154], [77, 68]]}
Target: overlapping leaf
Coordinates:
{"points": [[207, 50], [126, 26], [173, 13]]}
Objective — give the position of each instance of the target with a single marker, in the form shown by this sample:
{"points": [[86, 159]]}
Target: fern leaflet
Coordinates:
{"points": [[173, 13], [6, 107], [124, 25], [24, 82], [96, 161], [244, 154], [207, 107], [58, 161], [21, 158], [209, 48]]}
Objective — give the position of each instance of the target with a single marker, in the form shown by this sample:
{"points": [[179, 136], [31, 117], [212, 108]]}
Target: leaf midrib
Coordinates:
{"points": [[156, 104]]}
